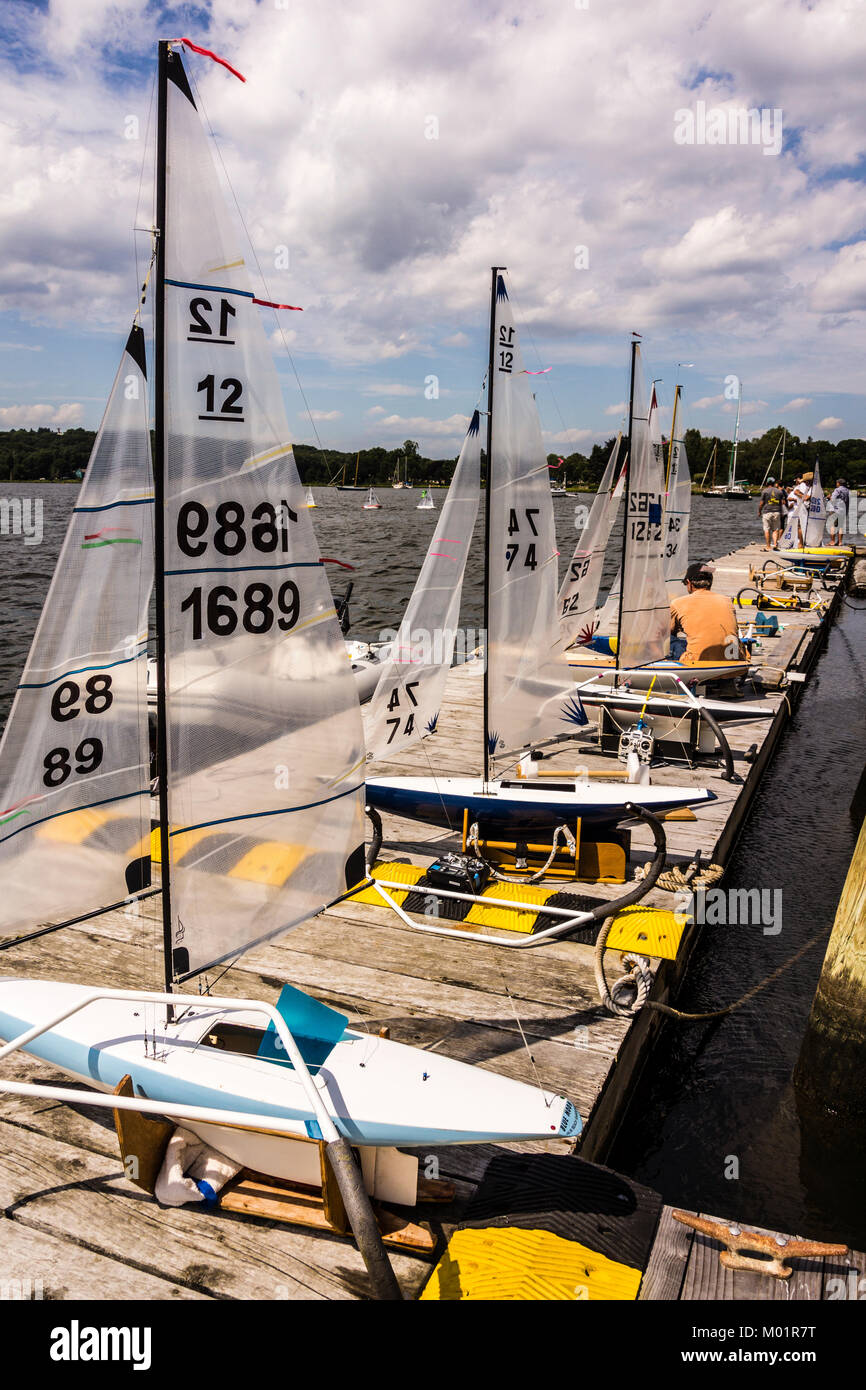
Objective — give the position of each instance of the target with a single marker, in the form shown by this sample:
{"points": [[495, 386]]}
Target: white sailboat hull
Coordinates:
{"points": [[586, 663], [522, 805], [378, 1092]]}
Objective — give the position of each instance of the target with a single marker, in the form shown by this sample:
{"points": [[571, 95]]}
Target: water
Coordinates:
{"points": [[387, 546], [714, 1091], [723, 1090]]}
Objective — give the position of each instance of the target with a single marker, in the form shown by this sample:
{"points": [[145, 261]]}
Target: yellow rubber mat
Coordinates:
{"points": [[514, 1265], [397, 873], [653, 931]]}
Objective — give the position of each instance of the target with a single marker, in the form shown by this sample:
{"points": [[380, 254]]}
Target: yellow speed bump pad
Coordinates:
{"points": [[395, 873], [516, 1265], [653, 931]]}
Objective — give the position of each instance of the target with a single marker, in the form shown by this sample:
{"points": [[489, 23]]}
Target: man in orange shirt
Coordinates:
{"points": [[708, 621]]}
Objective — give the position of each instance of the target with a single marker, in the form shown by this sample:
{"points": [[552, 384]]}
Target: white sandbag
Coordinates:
{"points": [[191, 1171]]}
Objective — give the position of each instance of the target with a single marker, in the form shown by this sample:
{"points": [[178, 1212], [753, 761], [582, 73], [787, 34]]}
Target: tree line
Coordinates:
{"points": [[45, 454]]}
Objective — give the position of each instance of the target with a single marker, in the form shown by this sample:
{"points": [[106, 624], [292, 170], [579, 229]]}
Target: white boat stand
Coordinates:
{"points": [[356, 1200]]}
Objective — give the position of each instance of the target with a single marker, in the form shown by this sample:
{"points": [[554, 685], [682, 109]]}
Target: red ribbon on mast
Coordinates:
{"points": [[206, 53]]}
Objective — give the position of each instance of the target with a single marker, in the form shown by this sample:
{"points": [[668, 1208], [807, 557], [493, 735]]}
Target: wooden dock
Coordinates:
{"points": [[70, 1219]]}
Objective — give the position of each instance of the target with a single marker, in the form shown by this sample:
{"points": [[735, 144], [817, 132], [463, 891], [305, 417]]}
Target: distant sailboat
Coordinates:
{"points": [[309, 499], [426, 504], [372, 503], [343, 486]]}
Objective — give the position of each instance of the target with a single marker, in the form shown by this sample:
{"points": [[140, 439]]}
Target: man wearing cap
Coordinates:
{"points": [[708, 621], [770, 512], [837, 508]]}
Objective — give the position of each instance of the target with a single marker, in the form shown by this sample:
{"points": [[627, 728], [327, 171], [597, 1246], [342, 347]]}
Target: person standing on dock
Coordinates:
{"points": [[770, 511], [707, 620], [837, 511]]}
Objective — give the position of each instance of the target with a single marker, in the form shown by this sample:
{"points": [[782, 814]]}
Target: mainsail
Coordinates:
{"points": [[817, 512], [75, 803], [405, 703], [528, 685], [578, 592], [644, 628], [678, 506], [265, 744]]}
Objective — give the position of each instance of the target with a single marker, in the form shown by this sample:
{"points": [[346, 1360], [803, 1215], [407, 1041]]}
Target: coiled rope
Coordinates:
{"points": [[561, 834]]}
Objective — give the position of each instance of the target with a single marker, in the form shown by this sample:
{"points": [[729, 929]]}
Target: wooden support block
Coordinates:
{"points": [[143, 1141]]}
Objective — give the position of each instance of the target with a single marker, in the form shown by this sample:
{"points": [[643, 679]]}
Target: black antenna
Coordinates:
{"points": [[625, 519], [159, 509], [494, 276]]}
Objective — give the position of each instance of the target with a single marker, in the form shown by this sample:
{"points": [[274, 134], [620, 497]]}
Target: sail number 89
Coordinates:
{"points": [[215, 609]]}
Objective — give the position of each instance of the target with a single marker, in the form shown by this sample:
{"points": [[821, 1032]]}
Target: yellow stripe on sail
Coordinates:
{"points": [[259, 459], [230, 265]]}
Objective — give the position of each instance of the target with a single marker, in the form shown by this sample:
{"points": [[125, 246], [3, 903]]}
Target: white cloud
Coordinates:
{"points": [[455, 426], [715, 253], [21, 347], [830, 422], [619, 409], [706, 402], [391, 388], [843, 283], [324, 415], [570, 436], [32, 417], [797, 403]]}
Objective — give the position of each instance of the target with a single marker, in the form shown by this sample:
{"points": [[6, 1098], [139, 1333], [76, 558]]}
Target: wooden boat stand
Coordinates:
{"points": [[143, 1141], [592, 861], [777, 1248]]}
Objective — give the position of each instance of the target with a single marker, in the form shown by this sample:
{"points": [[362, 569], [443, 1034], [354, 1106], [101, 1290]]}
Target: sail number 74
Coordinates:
{"points": [[512, 550]]}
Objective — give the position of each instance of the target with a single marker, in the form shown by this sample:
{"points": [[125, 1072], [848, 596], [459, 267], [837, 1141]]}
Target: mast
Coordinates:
{"points": [[732, 473], [494, 272], [357, 456], [159, 512], [782, 469], [634, 348]]}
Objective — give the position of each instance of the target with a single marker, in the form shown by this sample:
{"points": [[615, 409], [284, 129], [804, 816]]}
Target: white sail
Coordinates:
{"points": [[644, 634], [405, 704], [74, 761], [265, 747], [795, 527], [578, 592], [528, 684], [817, 512], [678, 506]]}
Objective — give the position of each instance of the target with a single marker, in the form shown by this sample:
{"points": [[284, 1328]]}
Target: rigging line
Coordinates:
{"points": [[520, 1030], [526, 333], [144, 160], [280, 330]]}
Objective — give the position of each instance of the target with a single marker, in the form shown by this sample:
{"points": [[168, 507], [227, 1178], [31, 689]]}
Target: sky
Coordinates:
{"points": [[384, 155]]}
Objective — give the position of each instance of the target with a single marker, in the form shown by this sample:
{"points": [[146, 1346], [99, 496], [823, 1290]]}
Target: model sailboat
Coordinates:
{"points": [[528, 689], [631, 644], [261, 819]]}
